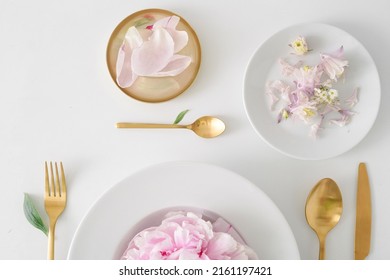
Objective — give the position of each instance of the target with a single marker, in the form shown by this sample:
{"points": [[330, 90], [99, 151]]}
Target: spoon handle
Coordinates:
{"points": [[148, 125], [322, 248]]}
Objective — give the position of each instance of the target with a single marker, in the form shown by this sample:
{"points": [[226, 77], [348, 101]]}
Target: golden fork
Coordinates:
{"points": [[55, 200]]}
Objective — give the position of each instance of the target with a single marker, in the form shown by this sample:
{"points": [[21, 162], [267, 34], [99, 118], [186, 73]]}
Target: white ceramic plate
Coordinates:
{"points": [[107, 227], [291, 137]]}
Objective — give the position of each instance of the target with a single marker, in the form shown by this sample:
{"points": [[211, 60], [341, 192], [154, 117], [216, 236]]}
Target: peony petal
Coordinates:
{"points": [[221, 246], [176, 65], [154, 54]]}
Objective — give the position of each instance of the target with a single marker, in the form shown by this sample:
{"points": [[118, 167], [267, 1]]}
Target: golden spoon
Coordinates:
{"points": [[206, 127], [324, 206]]}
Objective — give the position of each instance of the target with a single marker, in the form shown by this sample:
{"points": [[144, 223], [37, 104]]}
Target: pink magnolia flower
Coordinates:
{"points": [[186, 236], [153, 56]]}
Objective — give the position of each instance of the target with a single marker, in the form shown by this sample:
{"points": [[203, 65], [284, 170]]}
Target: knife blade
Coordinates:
{"points": [[363, 215]]}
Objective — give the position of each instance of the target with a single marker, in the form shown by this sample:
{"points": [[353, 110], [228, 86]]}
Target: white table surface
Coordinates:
{"points": [[58, 102]]}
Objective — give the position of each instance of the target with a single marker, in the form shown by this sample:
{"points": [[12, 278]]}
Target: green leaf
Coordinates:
{"points": [[32, 215], [180, 116], [142, 21]]}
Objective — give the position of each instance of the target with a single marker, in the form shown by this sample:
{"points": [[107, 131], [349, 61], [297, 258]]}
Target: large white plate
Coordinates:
{"points": [[104, 231], [289, 137]]}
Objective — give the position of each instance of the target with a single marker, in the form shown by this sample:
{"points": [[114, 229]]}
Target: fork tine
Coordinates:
{"points": [[52, 190], [57, 181], [47, 192], [63, 182]]}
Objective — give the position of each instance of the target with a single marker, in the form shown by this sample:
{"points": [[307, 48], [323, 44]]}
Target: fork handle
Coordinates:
{"points": [[50, 247]]}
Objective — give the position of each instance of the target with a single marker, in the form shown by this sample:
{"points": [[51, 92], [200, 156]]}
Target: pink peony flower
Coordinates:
{"points": [[153, 56], [186, 236]]}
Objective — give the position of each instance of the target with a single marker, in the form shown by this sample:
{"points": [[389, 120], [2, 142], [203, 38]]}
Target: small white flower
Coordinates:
{"points": [[300, 46], [333, 94]]}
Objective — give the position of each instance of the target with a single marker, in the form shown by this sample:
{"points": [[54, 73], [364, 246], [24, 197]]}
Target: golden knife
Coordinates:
{"points": [[363, 215]]}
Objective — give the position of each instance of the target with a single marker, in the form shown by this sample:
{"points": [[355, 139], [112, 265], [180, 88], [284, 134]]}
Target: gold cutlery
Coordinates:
{"points": [[363, 215], [206, 127], [55, 200], [324, 206]]}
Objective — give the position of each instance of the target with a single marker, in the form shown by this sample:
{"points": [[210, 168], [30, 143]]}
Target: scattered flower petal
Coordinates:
{"points": [[346, 117], [333, 64], [312, 95], [353, 99], [287, 68]]}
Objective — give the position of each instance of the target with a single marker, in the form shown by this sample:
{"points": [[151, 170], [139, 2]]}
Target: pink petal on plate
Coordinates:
{"points": [[125, 75], [221, 246], [287, 68], [346, 117], [167, 22], [180, 38], [333, 64], [176, 65], [153, 55], [353, 99], [134, 37]]}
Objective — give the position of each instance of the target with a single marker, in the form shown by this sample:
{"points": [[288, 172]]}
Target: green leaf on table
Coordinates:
{"points": [[180, 116], [32, 215]]}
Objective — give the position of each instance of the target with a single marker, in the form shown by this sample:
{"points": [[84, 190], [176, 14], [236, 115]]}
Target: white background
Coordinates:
{"points": [[58, 102]]}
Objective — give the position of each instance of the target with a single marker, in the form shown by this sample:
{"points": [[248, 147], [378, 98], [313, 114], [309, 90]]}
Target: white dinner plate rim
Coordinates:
{"points": [[294, 251]]}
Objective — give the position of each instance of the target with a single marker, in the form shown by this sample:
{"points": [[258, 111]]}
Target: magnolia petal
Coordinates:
{"points": [[134, 38], [153, 55], [180, 38], [175, 66], [167, 22], [125, 75]]}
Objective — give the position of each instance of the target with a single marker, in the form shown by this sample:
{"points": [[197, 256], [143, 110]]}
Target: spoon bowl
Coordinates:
{"points": [[324, 206], [206, 127]]}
